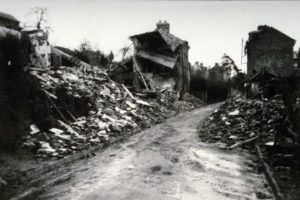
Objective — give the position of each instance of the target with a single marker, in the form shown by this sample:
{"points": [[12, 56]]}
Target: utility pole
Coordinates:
{"points": [[242, 48]]}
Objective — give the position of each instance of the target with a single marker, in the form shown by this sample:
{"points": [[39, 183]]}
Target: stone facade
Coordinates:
{"points": [[268, 48]]}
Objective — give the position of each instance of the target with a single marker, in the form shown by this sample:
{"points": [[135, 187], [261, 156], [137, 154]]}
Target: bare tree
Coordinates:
{"points": [[124, 51], [85, 45], [41, 14]]}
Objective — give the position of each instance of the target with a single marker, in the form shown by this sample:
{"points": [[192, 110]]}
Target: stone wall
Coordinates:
{"points": [[272, 51]]}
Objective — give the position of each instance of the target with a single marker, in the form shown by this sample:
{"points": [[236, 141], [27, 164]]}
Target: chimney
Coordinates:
{"points": [[163, 26]]}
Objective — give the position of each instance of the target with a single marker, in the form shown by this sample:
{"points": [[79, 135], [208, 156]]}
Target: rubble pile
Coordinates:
{"points": [[168, 98], [81, 107], [241, 120], [188, 102]]}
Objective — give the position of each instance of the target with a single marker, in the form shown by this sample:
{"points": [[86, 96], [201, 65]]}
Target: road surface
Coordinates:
{"points": [[166, 162]]}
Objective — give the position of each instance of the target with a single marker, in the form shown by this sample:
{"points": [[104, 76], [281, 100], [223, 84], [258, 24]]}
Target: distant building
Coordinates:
{"points": [[269, 49], [40, 45], [199, 71], [8, 21], [199, 76], [219, 73]]}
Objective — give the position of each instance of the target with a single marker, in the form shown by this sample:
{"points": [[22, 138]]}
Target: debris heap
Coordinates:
{"points": [[240, 121], [78, 107]]}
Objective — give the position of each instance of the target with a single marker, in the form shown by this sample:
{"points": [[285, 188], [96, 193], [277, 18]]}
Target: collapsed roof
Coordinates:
{"points": [[158, 38], [158, 46]]}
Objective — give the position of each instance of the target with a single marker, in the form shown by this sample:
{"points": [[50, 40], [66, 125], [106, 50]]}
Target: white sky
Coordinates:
{"points": [[212, 28]]}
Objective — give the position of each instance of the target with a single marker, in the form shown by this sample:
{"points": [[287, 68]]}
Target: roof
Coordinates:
{"points": [[33, 31], [171, 40], [8, 16], [263, 28]]}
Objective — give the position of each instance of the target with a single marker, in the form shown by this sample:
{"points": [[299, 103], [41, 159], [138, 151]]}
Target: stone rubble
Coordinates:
{"points": [[82, 107], [241, 119]]}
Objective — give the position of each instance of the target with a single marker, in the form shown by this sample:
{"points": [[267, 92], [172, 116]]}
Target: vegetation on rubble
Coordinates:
{"points": [[86, 53]]}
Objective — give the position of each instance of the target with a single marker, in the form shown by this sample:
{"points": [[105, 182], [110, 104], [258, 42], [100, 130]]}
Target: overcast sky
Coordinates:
{"points": [[212, 28]]}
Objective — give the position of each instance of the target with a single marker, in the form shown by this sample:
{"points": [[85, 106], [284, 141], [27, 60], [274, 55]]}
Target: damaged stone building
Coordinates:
{"points": [[40, 46], [270, 56], [161, 60], [268, 48]]}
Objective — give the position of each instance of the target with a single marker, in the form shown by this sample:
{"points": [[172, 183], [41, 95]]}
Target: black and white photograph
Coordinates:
{"points": [[149, 100]]}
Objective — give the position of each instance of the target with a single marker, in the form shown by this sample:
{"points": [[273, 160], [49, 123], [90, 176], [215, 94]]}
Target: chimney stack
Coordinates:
{"points": [[165, 26]]}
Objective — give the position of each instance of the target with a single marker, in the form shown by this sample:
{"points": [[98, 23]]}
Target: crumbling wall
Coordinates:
{"points": [[183, 73]]}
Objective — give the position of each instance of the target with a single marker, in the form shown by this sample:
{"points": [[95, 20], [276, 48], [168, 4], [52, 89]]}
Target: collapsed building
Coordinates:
{"points": [[160, 60], [40, 46]]}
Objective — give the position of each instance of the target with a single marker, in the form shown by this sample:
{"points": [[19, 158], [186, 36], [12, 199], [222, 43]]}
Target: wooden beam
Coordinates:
{"points": [[161, 59], [137, 68], [238, 144], [128, 92]]}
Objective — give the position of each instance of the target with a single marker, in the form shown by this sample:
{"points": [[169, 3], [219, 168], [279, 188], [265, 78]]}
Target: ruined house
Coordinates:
{"points": [[40, 46], [161, 60], [268, 48], [8, 21]]}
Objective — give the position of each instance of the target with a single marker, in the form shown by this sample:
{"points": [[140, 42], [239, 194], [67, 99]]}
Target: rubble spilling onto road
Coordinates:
{"points": [[240, 121], [78, 107], [255, 124]]}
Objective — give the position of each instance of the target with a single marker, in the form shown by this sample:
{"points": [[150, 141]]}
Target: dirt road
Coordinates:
{"points": [[166, 162]]}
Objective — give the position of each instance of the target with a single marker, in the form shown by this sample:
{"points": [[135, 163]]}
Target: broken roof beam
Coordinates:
{"points": [[137, 68], [161, 59], [72, 59]]}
